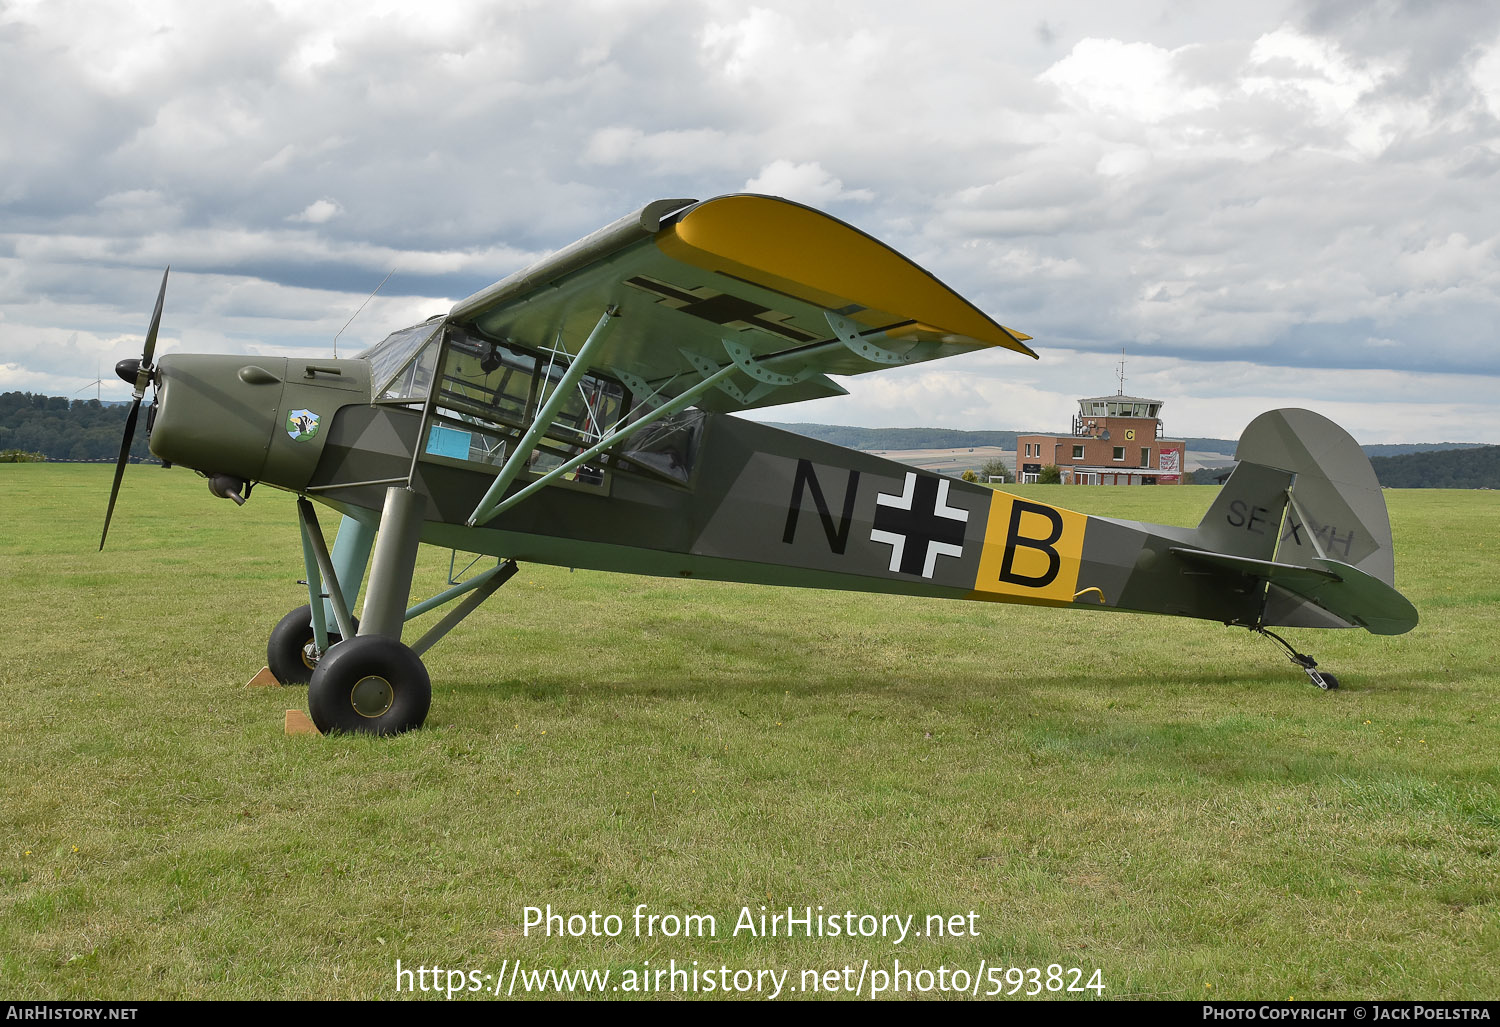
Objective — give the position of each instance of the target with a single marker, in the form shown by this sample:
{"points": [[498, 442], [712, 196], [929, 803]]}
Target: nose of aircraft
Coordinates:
{"points": [[210, 419], [252, 418]]}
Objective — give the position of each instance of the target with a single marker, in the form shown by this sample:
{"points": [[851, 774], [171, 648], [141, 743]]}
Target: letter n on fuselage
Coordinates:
{"points": [[807, 480]]}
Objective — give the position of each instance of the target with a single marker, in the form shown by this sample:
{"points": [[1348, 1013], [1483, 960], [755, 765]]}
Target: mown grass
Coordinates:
{"points": [[1168, 801]]}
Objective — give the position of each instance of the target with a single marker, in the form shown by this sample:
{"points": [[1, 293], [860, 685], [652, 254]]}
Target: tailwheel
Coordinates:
{"points": [[292, 653], [370, 685], [1321, 678]]}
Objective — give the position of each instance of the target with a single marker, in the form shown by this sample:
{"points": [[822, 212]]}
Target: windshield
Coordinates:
{"points": [[394, 373]]}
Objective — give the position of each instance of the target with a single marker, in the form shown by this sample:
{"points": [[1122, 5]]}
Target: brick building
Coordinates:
{"points": [[1116, 440]]}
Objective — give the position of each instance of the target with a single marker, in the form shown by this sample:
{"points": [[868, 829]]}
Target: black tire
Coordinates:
{"points": [[369, 685], [1329, 681], [289, 652]]}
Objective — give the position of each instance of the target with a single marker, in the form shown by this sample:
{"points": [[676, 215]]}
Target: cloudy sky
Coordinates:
{"points": [[1282, 203]]}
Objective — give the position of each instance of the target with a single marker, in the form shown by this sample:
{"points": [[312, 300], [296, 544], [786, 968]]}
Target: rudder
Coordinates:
{"points": [[1305, 496], [1337, 509]]}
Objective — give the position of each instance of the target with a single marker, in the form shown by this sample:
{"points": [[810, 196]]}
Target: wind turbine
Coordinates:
{"points": [[97, 385]]}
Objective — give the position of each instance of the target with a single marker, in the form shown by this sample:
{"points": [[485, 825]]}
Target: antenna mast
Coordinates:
{"points": [[362, 306]]}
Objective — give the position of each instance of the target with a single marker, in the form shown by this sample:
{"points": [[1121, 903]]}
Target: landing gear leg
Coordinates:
{"points": [[1321, 678], [372, 683], [292, 652], [303, 636]]}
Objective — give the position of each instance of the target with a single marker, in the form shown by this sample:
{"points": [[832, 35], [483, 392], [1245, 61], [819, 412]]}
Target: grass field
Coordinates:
{"points": [[1170, 802]]}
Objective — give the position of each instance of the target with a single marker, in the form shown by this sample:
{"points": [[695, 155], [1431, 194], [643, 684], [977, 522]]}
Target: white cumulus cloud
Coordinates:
{"points": [[317, 212], [806, 183]]}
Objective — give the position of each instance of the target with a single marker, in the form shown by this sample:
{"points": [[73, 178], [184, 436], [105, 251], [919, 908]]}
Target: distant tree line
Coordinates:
{"points": [[878, 439], [62, 429], [871, 439], [1212, 475], [1474, 468], [1402, 448]]}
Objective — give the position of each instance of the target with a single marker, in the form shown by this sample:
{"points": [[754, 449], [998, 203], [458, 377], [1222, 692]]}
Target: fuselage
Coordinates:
{"points": [[707, 495]]}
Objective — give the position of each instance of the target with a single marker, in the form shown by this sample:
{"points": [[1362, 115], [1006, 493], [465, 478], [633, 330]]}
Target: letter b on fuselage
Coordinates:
{"points": [[1031, 550]]}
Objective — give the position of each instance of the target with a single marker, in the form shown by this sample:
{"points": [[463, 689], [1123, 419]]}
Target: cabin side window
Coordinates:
{"points": [[668, 446], [589, 412], [489, 393]]}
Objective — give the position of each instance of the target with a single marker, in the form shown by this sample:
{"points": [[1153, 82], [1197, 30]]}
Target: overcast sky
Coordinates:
{"points": [[1272, 204]]}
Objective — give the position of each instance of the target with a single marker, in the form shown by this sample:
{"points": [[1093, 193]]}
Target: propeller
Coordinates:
{"points": [[138, 374]]}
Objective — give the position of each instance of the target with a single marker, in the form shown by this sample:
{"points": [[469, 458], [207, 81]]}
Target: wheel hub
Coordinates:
{"points": [[371, 696]]}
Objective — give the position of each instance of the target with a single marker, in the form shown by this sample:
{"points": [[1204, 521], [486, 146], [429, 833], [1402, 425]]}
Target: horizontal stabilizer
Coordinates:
{"points": [[1343, 590]]}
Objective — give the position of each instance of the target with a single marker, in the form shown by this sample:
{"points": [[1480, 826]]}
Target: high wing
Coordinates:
{"points": [[786, 293]]}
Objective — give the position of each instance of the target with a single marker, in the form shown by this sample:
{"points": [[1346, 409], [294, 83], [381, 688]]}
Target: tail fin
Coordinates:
{"points": [[1303, 511]]}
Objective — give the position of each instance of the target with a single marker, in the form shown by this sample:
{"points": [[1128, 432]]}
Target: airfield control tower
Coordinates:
{"points": [[1115, 440]]}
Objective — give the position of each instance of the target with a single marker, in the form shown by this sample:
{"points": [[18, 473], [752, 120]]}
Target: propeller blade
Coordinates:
{"points": [[143, 371], [114, 492], [144, 374]]}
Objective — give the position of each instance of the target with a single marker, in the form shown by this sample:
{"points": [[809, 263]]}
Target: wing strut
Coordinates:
{"points": [[544, 417], [741, 361], [678, 402]]}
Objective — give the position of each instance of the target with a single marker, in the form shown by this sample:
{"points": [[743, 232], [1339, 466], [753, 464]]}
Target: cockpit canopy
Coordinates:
{"points": [[483, 394], [401, 364]]}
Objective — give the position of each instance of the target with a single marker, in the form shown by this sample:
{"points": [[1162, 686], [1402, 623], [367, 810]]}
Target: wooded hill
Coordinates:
{"points": [[884, 439], [64, 429], [1473, 468]]}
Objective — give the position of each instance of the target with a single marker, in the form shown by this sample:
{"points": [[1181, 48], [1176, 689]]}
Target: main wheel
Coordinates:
{"points": [[369, 684], [291, 652]]}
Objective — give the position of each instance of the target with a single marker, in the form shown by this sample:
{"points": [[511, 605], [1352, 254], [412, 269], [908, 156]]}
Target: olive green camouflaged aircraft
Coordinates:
{"points": [[579, 413]]}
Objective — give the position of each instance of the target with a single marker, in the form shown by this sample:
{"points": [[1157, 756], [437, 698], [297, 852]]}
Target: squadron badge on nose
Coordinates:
{"points": [[301, 425]]}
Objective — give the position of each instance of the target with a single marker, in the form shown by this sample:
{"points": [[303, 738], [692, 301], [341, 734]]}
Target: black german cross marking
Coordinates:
{"points": [[721, 308], [919, 525], [838, 534]]}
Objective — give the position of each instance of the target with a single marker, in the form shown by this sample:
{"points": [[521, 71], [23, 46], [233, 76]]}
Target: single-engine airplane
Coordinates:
{"points": [[579, 413]]}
